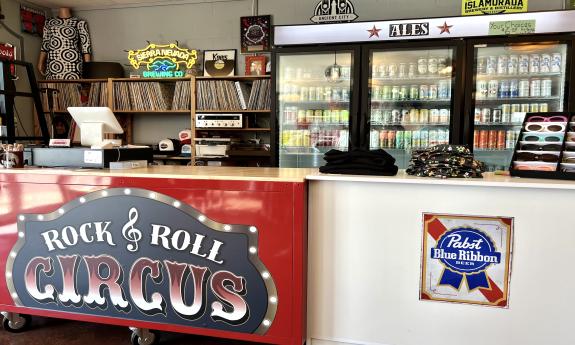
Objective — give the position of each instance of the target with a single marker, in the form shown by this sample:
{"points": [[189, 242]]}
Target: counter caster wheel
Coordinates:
{"points": [[16, 323], [145, 337]]}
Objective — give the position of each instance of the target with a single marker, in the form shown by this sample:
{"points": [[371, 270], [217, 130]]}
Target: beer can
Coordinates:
{"points": [[374, 139], [482, 65], [493, 88], [424, 115], [304, 94], [504, 89], [500, 139], [386, 92], [442, 66], [395, 93], [318, 116], [306, 138], [482, 89], [524, 88], [477, 116], [407, 139], [492, 140], [424, 138], [392, 71], [334, 116], [403, 92], [412, 71], [535, 90], [383, 138], [432, 65], [502, 62], [497, 115], [416, 138], [319, 96], [309, 116], [515, 108], [414, 115], [534, 107], [556, 62], [506, 112], [546, 87], [422, 65], [543, 107], [545, 64], [399, 138], [434, 115], [444, 116], [483, 137], [443, 89], [395, 116], [423, 92], [301, 116], [382, 71], [523, 64], [486, 115], [476, 138], [391, 139], [376, 93], [405, 118], [344, 116], [534, 63], [491, 68], [513, 65], [345, 94], [443, 136], [402, 70], [514, 88], [433, 137], [385, 116], [432, 91], [525, 108], [414, 92]]}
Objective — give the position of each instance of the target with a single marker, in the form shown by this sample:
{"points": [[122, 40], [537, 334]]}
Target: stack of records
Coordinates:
{"points": [[98, 96], [181, 100], [143, 96], [260, 95], [68, 95]]}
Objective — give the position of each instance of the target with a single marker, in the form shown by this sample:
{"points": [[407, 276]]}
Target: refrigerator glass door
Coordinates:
{"points": [[512, 80], [410, 103], [313, 106]]}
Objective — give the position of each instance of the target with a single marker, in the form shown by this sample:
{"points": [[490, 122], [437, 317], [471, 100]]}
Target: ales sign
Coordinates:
{"points": [[475, 7], [140, 255]]}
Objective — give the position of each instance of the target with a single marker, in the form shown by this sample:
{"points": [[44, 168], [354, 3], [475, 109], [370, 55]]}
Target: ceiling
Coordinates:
{"points": [[102, 4]]}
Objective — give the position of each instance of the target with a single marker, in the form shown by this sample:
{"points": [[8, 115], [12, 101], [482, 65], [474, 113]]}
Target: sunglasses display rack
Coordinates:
{"points": [[545, 147]]}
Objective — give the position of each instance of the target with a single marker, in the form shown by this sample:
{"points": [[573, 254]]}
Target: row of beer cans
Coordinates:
{"points": [[512, 88], [337, 138], [495, 139], [424, 66], [508, 113], [410, 116], [441, 90], [398, 139], [295, 115], [297, 93], [516, 64], [304, 73]]}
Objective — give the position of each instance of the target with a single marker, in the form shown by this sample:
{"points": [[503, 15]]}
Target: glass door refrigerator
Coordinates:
{"points": [[315, 103], [509, 77], [410, 103]]}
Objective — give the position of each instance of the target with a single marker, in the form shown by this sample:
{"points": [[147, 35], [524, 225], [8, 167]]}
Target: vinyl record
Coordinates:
{"points": [[219, 67]]}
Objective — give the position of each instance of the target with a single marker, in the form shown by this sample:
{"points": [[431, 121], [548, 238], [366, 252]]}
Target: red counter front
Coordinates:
{"points": [[270, 203]]}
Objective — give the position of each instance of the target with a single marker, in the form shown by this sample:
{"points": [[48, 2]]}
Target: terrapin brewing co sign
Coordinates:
{"points": [[466, 259], [475, 7], [141, 255], [163, 60], [334, 11]]}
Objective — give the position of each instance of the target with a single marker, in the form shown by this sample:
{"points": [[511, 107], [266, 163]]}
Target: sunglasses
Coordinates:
{"points": [[568, 170], [570, 148], [546, 147], [568, 159], [571, 138], [533, 157], [545, 138], [544, 127], [556, 118], [534, 167]]}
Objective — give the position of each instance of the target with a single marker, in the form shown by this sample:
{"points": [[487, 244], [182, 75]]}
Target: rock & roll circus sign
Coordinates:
{"points": [[466, 259], [137, 254], [163, 60]]}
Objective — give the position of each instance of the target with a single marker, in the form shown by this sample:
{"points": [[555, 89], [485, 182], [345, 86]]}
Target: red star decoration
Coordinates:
{"points": [[374, 32], [445, 28]]}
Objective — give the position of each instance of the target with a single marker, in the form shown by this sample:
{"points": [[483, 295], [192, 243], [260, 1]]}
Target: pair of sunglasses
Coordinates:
{"points": [[544, 127], [546, 147], [534, 157], [543, 138], [568, 159], [556, 118], [534, 167]]}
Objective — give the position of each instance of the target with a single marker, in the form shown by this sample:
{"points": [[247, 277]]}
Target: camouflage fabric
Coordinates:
{"points": [[443, 161]]}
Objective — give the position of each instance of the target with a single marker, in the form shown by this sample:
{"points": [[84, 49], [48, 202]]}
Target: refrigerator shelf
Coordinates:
{"points": [[314, 103], [518, 99], [518, 76], [514, 124], [304, 150], [313, 124], [404, 124], [390, 101], [476, 150], [316, 80], [412, 79]]}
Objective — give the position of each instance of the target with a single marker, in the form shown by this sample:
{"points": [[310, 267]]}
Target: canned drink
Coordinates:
{"points": [[506, 110], [414, 92], [391, 139], [309, 116], [432, 137], [395, 93], [475, 138], [482, 89], [502, 63], [443, 89], [412, 71], [414, 115], [543, 107], [545, 64], [525, 108], [377, 116], [405, 118], [477, 116], [491, 67], [301, 116], [513, 64], [534, 107], [523, 64], [382, 71], [424, 115], [399, 138], [493, 88], [306, 138], [403, 92], [304, 94], [486, 115], [374, 139], [392, 71], [336, 94], [345, 94], [376, 93], [546, 87], [497, 115], [483, 137], [432, 65], [441, 65], [481, 65], [346, 72], [395, 116], [423, 92], [509, 139], [344, 116], [416, 138], [319, 94], [444, 116], [514, 88], [424, 138], [312, 94], [402, 70], [432, 91], [422, 65], [492, 141], [383, 138], [434, 115], [524, 88], [534, 63], [318, 116], [407, 139], [500, 140], [535, 90], [327, 93], [556, 61], [386, 116], [386, 92], [504, 90], [515, 108], [335, 116]]}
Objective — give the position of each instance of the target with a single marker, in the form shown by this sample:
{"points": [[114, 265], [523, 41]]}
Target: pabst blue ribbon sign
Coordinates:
{"points": [[141, 255], [466, 259]]}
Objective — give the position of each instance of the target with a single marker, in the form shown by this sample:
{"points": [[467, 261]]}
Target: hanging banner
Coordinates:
{"points": [[466, 259], [477, 7]]}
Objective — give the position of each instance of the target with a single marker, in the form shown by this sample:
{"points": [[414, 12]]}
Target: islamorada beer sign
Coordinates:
{"points": [[163, 60], [137, 254], [474, 7]]}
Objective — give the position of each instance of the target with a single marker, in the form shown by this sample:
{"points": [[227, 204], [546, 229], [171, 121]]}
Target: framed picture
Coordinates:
{"points": [[255, 34], [8, 53], [255, 65], [32, 20], [219, 63]]}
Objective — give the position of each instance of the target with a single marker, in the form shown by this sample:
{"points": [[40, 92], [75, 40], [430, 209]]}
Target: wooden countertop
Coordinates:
{"points": [[182, 172]]}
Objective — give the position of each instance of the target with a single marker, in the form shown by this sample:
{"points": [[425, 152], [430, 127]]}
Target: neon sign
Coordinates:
{"points": [[163, 60]]}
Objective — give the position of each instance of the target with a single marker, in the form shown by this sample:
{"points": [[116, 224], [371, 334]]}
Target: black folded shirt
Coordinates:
{"points": [[359, 162]]}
